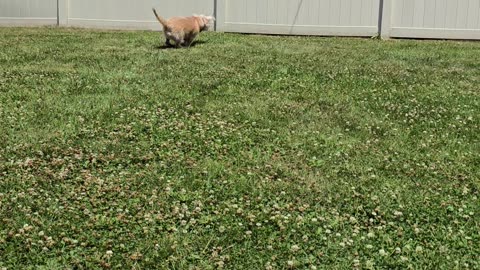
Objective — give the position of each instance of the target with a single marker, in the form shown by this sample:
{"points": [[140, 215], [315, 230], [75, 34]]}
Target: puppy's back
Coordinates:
{"points": [[185, 24]]}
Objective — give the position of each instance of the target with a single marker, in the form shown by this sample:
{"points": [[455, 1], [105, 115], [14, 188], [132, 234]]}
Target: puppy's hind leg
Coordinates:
{"points": [[169, 37], [179, 40]]}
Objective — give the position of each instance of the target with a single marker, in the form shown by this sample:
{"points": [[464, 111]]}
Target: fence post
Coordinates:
{"points": [[220, 11], [385, 21], [62, 12]]}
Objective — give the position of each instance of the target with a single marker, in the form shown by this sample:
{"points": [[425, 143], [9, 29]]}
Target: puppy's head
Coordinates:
{"points": [[205, 21]]}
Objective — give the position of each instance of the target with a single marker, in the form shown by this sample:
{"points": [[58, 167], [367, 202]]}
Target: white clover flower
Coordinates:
{"points": [[397, 213]]}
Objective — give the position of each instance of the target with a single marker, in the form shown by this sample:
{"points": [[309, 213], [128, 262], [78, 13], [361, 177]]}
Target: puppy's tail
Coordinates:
{"points": [[160, 19]]}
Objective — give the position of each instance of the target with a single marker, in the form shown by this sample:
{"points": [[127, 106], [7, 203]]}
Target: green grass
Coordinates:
{"points": [[242, 152]]}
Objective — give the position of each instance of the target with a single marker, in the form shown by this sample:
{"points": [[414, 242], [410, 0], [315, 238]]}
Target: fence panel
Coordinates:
{"points": [[28, 12], [300, 17], [436, 19], [131, 14]]}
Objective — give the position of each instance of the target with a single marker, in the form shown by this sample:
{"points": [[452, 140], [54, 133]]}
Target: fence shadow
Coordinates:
{"points": [[296, 16]]}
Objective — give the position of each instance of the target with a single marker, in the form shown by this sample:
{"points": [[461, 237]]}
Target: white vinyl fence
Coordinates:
{"points": [[300, 17], [449, 19], [130, 14], [28, 12]]}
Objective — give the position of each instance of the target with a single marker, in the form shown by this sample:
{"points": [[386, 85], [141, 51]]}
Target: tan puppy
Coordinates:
{"points": [[183, 30]]}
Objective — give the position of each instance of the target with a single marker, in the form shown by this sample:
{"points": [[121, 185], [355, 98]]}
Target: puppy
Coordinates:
{"points": [[183, 30]]}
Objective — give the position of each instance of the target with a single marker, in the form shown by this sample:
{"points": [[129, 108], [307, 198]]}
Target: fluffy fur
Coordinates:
{"points": [[183, 30]]}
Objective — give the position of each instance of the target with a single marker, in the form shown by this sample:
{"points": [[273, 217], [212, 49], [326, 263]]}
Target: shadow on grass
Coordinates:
{"points": [[166, 47]]}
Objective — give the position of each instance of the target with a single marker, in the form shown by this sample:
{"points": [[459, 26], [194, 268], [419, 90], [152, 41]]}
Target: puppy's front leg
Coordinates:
{"points": [[189, 40], [187, 43]]}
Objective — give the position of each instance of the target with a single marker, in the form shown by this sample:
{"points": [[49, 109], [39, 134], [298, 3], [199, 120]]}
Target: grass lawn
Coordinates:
{"points": [[242, 152]]}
